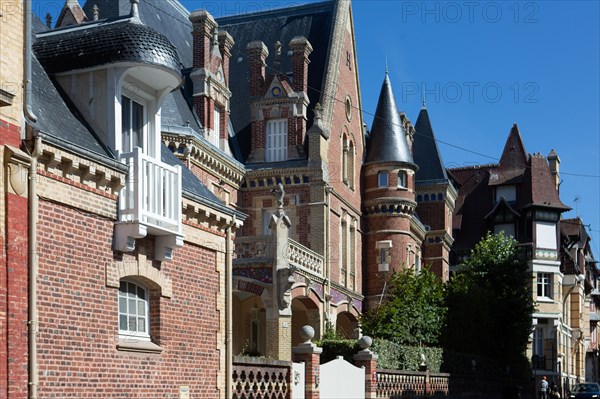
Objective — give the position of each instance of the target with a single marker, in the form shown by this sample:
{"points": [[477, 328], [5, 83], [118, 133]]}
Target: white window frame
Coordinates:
{"points": [[276, 138], [145, 135], [142, 335], [383, 179], [402, 178], [216, 127], [383, 254], [544, 285]]}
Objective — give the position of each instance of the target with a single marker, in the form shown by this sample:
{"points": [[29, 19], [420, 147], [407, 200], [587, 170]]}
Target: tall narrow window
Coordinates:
{"points": [[216, 127], [266, 219], [352, 282], [254, 330], [276, 145], [345, 149], [350, 172], [344, 256], [133, 310], [401, 179], [383, 178], [538, 341], [132, 124]]}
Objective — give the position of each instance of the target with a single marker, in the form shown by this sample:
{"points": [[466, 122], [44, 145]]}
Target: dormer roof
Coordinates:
{"points": [[387, 140], [426, 152], [105, 42]]}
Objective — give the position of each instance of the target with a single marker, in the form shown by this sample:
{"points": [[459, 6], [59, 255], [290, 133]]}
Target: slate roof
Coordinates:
{"points": [[104, 42], [426, 153], [387, 140], [313, 21]]}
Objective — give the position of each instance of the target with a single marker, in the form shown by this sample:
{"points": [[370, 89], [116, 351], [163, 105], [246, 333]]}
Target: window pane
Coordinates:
{"points": [[125, 124], [131, 288], [141, 308], [123, 322], [141, 325], [141, 293], [132, 324], [122, 305], [132, 307], [137, 125], [382, 179]]}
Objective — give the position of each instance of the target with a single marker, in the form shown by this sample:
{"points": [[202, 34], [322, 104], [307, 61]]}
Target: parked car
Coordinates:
{"points": [[587, 390]]}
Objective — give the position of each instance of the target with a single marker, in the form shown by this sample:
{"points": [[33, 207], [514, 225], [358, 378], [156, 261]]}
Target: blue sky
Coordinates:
{"points": [[483, 66]]}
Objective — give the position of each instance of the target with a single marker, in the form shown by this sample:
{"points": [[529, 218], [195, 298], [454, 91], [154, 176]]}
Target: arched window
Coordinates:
{"points": [[134, 310], [382, 178], [350, 166]]}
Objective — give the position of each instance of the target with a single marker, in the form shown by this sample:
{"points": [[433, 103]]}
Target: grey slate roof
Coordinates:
{"points": [[104, 42], [167, 17], [387, 140], [313, 21], [57, 116], [426, 153]]}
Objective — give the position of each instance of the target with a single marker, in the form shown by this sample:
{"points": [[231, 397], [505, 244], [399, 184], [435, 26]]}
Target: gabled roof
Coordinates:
{"points": [[426, 153], [387, 140], [313, 21]]}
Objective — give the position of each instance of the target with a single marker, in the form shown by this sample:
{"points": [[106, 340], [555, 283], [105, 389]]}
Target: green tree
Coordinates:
{"points": [[490, 302], [412, 312]]}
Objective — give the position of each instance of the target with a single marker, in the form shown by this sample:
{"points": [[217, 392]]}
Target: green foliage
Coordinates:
{"points": [[490, 302], [330, 332], [338, 347], [401, 357], [413, 312]]}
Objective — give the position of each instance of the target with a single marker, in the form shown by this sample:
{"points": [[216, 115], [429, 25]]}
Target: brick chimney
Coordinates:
{"points": [[554, 163], [301, 49], [204, 28], [257, 54], [225, 44]]}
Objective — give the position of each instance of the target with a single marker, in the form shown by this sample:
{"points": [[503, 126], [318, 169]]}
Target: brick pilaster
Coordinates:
{"points": [[257, 54], [310, 354], [301, 49], [204, 27], [367, 359]]}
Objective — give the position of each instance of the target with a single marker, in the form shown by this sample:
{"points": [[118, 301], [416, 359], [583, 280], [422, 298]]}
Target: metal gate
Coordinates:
{"points": [[298, 380], [342, 380]]}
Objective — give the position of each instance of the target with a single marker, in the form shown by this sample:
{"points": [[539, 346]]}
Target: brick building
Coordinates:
{"points": [[520, 196], [205, 187]]}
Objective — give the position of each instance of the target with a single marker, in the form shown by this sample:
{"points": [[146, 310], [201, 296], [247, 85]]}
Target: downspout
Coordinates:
{"points": [[29, 115], [33, 207], [229, 309], [33, 269]]}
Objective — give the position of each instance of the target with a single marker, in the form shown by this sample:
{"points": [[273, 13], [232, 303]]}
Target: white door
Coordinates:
{"points": [[342, 380]]}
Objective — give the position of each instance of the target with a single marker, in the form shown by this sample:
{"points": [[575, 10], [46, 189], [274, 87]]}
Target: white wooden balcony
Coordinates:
{"points": [[150, 203]]}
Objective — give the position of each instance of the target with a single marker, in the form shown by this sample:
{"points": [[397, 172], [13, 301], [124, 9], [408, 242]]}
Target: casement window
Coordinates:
{"points": [[134, 310], [507, 228], [402, 179], [216, 134], [538, 341], [276, 140], [544, 285], [133, 116], [348, 162], [266, 219], [383, 178]]}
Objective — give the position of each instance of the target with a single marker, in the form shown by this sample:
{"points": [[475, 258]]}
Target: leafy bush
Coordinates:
{"points": [[402, 357], [338, 347]]}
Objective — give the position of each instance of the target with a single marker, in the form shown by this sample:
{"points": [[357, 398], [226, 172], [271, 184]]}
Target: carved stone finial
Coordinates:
{"points": [[96, 11], [49, 21], [318, 110], [135, 12], [277, 53], [279, 194]]}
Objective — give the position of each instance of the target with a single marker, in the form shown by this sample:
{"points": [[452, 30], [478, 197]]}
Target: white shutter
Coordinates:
{"points": [[216, 127], [276, 143]]}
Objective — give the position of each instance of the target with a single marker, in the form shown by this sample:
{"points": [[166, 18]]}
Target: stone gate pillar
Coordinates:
{"points": [[310, 354], [367, 359]]}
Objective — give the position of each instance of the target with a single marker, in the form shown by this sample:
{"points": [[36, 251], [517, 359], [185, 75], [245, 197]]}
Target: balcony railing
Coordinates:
{"points": [[150, 203], [152, 195], [260, 249]]}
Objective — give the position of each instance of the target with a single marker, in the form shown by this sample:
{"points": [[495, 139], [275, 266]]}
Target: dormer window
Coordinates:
{"points": [[216, 133], [276, 140], [383, 178], [133, 124], [509, 192]]}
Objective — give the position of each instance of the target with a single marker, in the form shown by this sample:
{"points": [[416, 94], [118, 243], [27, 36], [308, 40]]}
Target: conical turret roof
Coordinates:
{"points": [[426, 152], [387, 140]]}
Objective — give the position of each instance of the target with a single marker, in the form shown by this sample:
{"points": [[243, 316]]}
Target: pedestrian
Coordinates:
{"points": [[553, 390], [543, 388]]}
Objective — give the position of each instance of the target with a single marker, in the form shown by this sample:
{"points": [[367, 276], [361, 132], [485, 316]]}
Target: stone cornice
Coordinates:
{"points": [[207, 156], [80, 170], [393, 206], [346, 291], [203, 215]]}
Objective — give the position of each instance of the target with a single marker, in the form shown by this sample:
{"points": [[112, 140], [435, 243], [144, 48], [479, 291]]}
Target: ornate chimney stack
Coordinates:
{"points": [[204, 28], [225, 44], [554, 163], [301, 49], [257, 54]]}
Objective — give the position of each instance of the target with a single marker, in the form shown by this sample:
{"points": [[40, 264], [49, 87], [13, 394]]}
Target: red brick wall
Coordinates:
{"points": [[78, 316]]}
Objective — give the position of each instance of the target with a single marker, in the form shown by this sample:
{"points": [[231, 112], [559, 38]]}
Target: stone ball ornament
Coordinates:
{"points": [[307, 333], [365, 342]]}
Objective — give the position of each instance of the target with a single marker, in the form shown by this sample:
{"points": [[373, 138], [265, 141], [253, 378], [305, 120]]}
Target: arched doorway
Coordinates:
{"points": [[346, 325], [249, 323], [304, 312]]}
